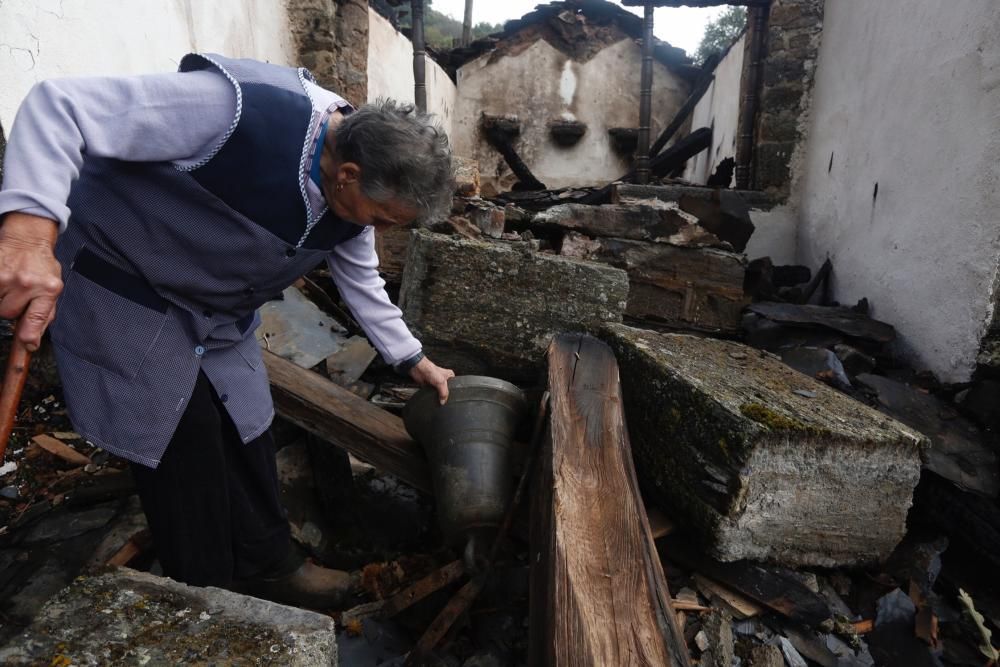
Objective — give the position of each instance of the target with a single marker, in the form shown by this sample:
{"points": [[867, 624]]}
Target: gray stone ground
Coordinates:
{"points": [[127, 617]]}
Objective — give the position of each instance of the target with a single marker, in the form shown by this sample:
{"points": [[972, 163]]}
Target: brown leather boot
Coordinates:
{"points": [[309, 585]]}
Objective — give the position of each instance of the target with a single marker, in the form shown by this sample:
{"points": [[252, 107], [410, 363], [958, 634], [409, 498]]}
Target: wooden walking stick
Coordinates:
{"points": [[10, 393]]}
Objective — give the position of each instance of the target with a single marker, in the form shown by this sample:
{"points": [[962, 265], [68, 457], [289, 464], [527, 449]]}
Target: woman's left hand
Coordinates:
{"points": [[430, 374]]}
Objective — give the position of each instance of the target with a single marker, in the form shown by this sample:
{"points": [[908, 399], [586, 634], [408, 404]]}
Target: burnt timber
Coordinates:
{"points": [[336, 415], [598, 593]]}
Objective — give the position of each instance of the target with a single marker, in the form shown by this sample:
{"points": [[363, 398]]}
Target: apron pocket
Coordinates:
{"points": [[107, 316]]}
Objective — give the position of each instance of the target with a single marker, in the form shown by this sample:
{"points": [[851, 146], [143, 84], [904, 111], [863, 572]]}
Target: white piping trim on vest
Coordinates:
{"points": [[307, 146], [232, 126]]}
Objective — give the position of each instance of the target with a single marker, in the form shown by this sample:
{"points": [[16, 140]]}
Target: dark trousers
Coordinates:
{"points": [[212, 503]]}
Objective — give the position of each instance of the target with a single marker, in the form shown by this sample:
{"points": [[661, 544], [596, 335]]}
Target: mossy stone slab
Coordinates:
{"points": [[763, 462], [128, 617]]}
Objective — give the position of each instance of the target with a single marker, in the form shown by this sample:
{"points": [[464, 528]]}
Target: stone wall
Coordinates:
{"points": [[794, 31], [331, 40], [540, 85]]}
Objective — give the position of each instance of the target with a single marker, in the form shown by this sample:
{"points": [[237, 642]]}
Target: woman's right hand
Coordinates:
{"points": [[30, 275]]}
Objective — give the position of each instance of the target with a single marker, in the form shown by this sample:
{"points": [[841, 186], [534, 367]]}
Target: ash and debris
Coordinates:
{"points": [[69, 511]]}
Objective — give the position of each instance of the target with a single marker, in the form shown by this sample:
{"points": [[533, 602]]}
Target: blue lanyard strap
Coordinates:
{"points": [[314, 173]]}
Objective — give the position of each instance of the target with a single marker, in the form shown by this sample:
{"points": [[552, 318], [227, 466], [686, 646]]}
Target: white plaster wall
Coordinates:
{"points": [[40, 39], [774, 235], [907, 96], [719, 109], [540, 84], [390, 71]]}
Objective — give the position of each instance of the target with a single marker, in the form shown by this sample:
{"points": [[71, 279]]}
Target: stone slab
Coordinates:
{"points": [[128, 617], [698, 289], [651, 220], [761, 461], [624, 193], [296, 329], [491, 308]]}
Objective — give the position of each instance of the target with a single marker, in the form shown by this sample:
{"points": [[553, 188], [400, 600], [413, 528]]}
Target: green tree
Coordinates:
{"points": [[441, 31], [721, 32]]}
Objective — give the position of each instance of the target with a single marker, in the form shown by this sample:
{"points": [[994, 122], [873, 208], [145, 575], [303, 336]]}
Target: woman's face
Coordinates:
{"points": [[342, 188]]}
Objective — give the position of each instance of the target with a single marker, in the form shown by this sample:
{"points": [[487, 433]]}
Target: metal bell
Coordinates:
{"points": [[468, 443]]}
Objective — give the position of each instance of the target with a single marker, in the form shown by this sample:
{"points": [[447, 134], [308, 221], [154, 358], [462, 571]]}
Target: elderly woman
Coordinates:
{"points": [[161, 211]]}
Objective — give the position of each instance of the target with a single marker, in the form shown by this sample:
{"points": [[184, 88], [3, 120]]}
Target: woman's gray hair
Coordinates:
{"points": [[403, 155]]}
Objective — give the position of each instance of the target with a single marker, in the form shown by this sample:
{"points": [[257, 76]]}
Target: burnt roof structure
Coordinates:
{"points": [[578, 28]]}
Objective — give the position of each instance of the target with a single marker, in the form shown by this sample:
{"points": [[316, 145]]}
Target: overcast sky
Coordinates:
{"points": [[681, 27]]}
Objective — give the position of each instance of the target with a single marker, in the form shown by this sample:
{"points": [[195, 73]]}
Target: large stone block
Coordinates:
{"points": [[762, 461], [128, 617], [487, 307]]}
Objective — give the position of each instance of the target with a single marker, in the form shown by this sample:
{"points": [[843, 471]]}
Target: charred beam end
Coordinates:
{"points": [[499, 133], [567, 132], [624, 140], [707, 77], [681, 152]]}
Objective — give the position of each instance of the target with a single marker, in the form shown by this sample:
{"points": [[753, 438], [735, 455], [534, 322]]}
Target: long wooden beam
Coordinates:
{"points": [[347, 421], [598, 593]]}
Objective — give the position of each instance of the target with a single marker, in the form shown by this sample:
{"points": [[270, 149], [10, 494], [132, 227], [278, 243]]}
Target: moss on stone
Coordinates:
{"points": [[770, 418]]}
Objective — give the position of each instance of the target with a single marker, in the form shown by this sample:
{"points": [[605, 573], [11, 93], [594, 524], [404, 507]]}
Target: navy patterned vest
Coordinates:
{"points": [[164, 268]]}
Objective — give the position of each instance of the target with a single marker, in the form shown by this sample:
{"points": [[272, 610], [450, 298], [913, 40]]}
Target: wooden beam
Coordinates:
{"points": [[347, 421], [704, 81], [772, 586], [598, 593]]}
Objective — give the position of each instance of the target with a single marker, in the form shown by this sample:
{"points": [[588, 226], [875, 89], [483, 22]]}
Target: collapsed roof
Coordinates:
{"points": [[578, 28]]}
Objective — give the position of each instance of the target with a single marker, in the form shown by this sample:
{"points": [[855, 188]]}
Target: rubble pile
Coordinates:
{"points": [[725, 467]]}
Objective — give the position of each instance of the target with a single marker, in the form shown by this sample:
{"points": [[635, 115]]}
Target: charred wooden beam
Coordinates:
{"points": [[347, 421], [660, 165], [499, 136], [598, 593], [681, 152], [708, 75], [775, 587]]}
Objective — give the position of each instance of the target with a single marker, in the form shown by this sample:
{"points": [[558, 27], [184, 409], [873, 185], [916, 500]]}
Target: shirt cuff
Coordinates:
{"points": [[404, 367], [19, 201]]}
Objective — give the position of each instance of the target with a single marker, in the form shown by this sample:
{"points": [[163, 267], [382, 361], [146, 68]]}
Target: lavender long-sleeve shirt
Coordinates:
{"points": [[180, 118]]}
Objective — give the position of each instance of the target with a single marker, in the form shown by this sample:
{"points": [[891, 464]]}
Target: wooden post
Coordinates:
{"points": [[645, 97], [467, 24], [598, 593], [757, 27], [419, 65]]}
